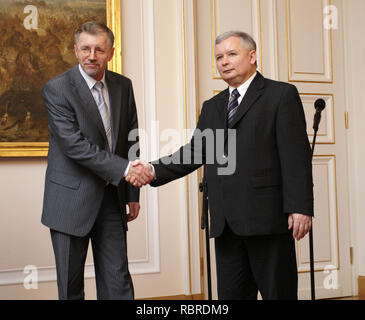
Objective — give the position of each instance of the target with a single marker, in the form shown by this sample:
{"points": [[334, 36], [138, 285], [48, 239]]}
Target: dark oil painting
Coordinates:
{"points": [[36, 44]]}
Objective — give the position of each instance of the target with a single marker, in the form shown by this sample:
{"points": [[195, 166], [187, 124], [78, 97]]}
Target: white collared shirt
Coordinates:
{"points": [[91, 82], [242, 89]]}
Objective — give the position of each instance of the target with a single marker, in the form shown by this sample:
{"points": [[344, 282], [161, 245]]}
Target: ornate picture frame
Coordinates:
{"points": [[23, 126]]}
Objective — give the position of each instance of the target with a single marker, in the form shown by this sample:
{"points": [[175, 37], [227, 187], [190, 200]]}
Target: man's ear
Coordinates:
{"points": [[111, 55], [253, 56], [75, 48]]}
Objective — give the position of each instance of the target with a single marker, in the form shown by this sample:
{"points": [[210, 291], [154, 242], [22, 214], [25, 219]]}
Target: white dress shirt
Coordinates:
{"points": [[242, 89], [90, 83]]}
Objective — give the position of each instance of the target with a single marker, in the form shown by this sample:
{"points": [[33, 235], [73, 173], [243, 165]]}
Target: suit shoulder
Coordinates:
{"points": [[219, 96], [59, 81], [118, 77], [279, 85], [212, 102]]}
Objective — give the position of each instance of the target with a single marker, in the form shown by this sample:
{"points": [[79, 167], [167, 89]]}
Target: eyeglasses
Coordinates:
{"points": [[89, 51]]}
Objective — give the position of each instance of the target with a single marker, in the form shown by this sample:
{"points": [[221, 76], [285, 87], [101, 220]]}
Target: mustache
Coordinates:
{"points": [[91, 62]]}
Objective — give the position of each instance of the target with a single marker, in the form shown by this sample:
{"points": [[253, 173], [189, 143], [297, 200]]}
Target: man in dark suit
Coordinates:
{"points": [[267, 187], [91, 111]]}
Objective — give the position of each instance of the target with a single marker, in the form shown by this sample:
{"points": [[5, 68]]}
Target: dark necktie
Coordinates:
{"points": [[232, 106]]}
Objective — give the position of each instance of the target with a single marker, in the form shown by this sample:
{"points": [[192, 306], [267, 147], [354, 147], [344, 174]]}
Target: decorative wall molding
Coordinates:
{"points": [[190, 114], [151, 147], [327, 217], [326, 132], [323, 74]]}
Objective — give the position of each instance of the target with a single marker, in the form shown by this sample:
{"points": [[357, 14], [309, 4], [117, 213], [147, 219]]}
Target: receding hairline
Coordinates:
{"points": [[246, 40], [94, 28]]}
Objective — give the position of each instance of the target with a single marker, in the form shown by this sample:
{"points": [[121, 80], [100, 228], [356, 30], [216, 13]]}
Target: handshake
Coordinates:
{"points": [[140, 173]]}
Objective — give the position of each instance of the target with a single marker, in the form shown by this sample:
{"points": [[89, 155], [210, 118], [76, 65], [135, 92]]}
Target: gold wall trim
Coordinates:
{"points": [[199, 171], [186, 125], [260, 37], [346, 120], [197, 109], [213, 32], [289, 44], [361, 286], [113, 18]]}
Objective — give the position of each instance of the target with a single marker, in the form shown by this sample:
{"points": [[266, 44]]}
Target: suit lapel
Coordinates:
{"points": [[115, 106], [254, 91], [222, 104], [86, 99]]}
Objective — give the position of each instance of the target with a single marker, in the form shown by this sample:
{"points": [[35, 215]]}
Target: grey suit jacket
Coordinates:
{"points": [[79, 160]]}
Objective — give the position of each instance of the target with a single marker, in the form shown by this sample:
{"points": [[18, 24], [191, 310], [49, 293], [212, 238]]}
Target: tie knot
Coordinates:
{"points": [[99, 85], [235, 94]]}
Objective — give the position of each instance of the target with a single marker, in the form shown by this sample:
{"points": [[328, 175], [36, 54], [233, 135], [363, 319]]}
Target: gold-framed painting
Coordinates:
{"points": [[36, 44]]}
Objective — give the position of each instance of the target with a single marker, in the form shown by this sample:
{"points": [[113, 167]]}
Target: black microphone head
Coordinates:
{"points": [[319, 104]]}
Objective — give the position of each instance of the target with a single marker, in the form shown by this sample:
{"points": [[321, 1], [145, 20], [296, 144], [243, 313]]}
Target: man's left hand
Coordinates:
{"points": [[300, 223], [133, 210]]}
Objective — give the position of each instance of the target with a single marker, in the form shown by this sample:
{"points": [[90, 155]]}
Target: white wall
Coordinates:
{"points": [[355, 84]]}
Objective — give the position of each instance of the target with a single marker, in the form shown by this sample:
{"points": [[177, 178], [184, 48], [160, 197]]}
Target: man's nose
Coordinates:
{"points": [[92, 55], [224, 60]]}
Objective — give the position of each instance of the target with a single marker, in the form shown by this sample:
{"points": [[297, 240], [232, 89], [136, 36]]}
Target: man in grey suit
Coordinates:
{"points": [[91, 112]]}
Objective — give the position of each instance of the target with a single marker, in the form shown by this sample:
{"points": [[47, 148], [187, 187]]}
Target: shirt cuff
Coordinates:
{"points": [[127, 169], [153, 171]]}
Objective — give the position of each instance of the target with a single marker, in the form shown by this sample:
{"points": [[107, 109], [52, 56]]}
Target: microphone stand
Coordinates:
{"points": [[311, 258], [203, 187], [317, 119]]}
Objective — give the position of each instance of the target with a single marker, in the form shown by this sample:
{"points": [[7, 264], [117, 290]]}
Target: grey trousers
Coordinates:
{"points": [[109, 246]]}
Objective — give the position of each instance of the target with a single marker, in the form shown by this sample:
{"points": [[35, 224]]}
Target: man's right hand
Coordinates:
{"points": [[140, 173]]}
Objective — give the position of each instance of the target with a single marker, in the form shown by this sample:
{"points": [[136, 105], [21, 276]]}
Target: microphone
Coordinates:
{"points": [[319, 105]]}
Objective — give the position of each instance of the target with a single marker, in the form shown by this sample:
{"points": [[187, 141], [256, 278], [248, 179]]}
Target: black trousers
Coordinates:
{"points": [[246, 265], [109, 246]]}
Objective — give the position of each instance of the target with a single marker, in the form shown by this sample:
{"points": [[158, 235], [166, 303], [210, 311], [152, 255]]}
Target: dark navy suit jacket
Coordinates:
{"points": [[273, 167]]}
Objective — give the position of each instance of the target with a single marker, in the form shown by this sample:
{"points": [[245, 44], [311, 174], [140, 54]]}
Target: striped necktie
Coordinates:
{"points": [[104, 112], [232, 106]]}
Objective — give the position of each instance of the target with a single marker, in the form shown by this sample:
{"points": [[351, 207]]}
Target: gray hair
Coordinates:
{"points": [[94, 27], [247, 41]]}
